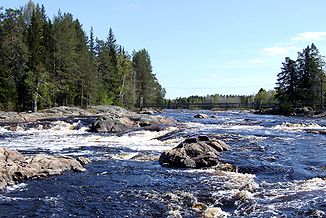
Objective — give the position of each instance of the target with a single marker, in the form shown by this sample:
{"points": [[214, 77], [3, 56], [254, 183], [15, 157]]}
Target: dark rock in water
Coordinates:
{"points": [[15, 167], [201, 116], [149, 111], [316, 131], [120, 120], [194, 152], [109, 124], [156, 127]]}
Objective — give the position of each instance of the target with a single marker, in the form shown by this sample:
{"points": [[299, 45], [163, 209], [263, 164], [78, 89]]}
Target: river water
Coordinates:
{"points": [[281, 170]]}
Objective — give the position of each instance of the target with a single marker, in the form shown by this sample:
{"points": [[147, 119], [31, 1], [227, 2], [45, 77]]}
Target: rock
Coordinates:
{"points": [[201, 116], [316, 131], [227, 167], [199, 207], [194, 152], [83, 160], [110, 124], [149, 111], [15, 167], [214, 212], [122, 120]]}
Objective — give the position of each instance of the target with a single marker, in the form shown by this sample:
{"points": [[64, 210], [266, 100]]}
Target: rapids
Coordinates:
{"points": [[281, 169]]}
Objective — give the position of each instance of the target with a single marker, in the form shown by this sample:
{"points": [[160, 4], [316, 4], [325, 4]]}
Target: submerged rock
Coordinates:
{"points": [[194, 152], [201, 116], [15, 167], [317, 131]]}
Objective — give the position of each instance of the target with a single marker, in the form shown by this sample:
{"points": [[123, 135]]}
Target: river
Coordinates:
{"points": [[281, 170]]}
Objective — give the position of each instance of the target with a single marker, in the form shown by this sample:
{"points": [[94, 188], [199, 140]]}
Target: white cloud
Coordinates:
{"points": [[308, 36], [278, 50]]}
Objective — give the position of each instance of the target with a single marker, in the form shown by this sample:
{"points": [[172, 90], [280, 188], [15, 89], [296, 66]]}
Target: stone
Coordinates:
{"points": [[83, 160], [194, 152], [201, 116], [111, 124], [214, 212], [199, 207], [317, 131], [119, 122], [15, 167]]}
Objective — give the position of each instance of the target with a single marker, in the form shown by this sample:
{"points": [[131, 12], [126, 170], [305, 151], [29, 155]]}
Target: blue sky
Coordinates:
{"points": [[205, 47]]}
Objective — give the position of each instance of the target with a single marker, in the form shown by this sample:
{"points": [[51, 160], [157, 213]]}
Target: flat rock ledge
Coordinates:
{"points": [[120, 122], [15, 167], [194, 152]]}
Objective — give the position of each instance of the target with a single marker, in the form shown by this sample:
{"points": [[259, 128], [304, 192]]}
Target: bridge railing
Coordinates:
{"points": [[209, 106]]}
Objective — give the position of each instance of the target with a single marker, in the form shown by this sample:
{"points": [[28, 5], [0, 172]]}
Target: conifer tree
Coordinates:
{"points": [[13, 59], [287, 85], [37, 76]]}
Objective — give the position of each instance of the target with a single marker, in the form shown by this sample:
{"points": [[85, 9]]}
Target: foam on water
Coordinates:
{"points": [[16, 187], [297, 126], [62, 136], [133, 183]]}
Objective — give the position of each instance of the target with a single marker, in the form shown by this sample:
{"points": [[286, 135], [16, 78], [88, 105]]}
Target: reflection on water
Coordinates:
{"points": [[280, 170]]}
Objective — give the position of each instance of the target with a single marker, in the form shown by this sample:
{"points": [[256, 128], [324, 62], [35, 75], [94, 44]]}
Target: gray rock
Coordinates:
{"points": [[15, 167], [111, 124], [201, 116], [194, 152], [118, 119]]}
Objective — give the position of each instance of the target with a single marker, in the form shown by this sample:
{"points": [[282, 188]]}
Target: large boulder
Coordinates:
{"points": [[15, 167], [111, 124], [119, 122], [194, 152]]}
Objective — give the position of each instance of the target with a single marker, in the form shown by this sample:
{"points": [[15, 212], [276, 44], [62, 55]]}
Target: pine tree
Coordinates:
{"points": [[64, 59], [37, 77], [311, 77], [13, 58], [302, 82], [85, 69], [287, 85], [146, 83], [124, 71]]}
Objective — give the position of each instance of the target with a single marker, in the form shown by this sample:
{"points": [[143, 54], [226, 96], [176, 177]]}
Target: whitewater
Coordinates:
{"points": [[281, 169]]}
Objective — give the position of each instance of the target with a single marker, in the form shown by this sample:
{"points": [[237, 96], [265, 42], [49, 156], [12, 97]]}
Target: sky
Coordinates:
{"points": [[205, 47]]}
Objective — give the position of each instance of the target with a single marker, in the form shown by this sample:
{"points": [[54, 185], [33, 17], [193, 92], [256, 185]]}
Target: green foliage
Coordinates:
{"points": [[264, 98], [209, 101], [301, 83], [46, 63], [146, 85]]}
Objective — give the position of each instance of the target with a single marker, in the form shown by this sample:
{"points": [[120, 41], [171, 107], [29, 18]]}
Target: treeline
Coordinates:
{"points": [[210, 101], [46, 63], [301, 82]]}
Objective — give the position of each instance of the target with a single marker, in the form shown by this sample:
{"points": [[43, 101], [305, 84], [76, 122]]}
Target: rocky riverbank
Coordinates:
{"points": [[108, 118], [16, 167]]}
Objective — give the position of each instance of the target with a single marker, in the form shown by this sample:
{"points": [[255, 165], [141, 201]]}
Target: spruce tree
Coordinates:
{"points": [[13, 59], [287, 85], [37, 77]]}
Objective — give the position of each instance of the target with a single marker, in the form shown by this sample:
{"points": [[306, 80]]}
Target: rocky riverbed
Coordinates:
{"points": [[233, 163]]}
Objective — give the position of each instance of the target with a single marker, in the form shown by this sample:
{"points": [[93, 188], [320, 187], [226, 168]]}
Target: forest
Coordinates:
{"points": [[301, 82], [54, 62]]}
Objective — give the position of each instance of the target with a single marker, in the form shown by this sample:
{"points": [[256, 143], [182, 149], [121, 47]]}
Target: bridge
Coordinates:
{"points": [[209, 106]]}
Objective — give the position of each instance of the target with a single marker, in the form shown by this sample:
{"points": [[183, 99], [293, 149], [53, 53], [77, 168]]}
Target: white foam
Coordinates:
{"points": [[16, 187], [63, 137], [297, 126]]}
